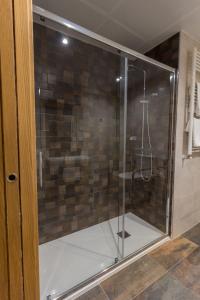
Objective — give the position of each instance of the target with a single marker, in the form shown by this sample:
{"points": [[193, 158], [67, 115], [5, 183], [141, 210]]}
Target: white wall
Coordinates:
{"points": [[186, 202]]}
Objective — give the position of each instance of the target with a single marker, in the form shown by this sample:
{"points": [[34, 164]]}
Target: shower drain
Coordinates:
{"points": [[125, 233]]}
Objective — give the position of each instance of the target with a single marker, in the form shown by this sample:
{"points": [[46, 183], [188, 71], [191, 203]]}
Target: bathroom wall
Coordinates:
{"points": [[167, 52], [186, 202], [77, 103]]}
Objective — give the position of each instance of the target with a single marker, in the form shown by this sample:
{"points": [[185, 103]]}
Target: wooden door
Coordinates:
{"points": [[18, 199], [4, 291]]}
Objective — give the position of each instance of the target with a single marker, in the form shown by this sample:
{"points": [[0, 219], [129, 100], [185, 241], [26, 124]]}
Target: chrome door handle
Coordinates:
{"points": [[40, 169]]}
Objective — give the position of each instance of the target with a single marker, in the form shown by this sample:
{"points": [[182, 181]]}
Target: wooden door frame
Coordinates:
{"points": [[4, 292], [9, 146], [27, 144], [18, 199]]}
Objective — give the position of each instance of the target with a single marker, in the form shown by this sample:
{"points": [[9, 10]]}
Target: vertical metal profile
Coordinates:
{"points": [[124, 151], [40, 169], [173, 81]]}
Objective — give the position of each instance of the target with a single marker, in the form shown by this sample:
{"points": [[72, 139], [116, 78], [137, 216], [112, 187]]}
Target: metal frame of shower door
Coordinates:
{"points": [[170, 159], [124, 150], [70, 25], [171, 164]]}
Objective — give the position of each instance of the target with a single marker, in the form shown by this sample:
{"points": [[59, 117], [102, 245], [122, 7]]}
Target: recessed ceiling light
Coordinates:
{"points": [[65, 41]]}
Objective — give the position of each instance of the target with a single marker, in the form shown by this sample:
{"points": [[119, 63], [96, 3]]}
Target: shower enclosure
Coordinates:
{"points": [[104, 118]]}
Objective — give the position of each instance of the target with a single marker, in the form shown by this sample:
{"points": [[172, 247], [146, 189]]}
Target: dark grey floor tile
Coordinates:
{"points": [[194, 234], [95, 294], [132, 280], [167, 288]]}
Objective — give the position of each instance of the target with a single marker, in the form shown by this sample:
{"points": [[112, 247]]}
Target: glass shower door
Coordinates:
{"points": [[147, 161], [78, 150]]}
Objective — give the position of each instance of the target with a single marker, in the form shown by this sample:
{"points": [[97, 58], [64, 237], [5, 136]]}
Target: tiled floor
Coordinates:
{"points": [[171, 272]]}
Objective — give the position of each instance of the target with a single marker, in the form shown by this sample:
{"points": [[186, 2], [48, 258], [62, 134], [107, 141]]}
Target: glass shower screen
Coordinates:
{"points": [[104, 131]]}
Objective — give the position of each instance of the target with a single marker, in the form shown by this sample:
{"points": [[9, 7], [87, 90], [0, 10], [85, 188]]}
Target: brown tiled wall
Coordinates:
{"points": [[78, 133], [148, 199], [167, 52]]}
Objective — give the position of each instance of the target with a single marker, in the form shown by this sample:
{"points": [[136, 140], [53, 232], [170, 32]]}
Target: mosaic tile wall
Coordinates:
{"points": [[167, 52], [148, 199], [77, 103]]}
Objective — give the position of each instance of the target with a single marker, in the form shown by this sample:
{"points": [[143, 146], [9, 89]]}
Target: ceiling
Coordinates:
{"points": [[137, 24]]}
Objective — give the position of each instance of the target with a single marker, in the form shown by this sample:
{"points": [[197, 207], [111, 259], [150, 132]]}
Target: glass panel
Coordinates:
{"points": [[149, 104], [78, 150]]}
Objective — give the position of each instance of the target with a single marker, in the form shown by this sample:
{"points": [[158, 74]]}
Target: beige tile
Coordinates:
{"points": [[167, 288], [95, 294], [172, 252], [194, 234], [188, 271], [131, 281]]}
